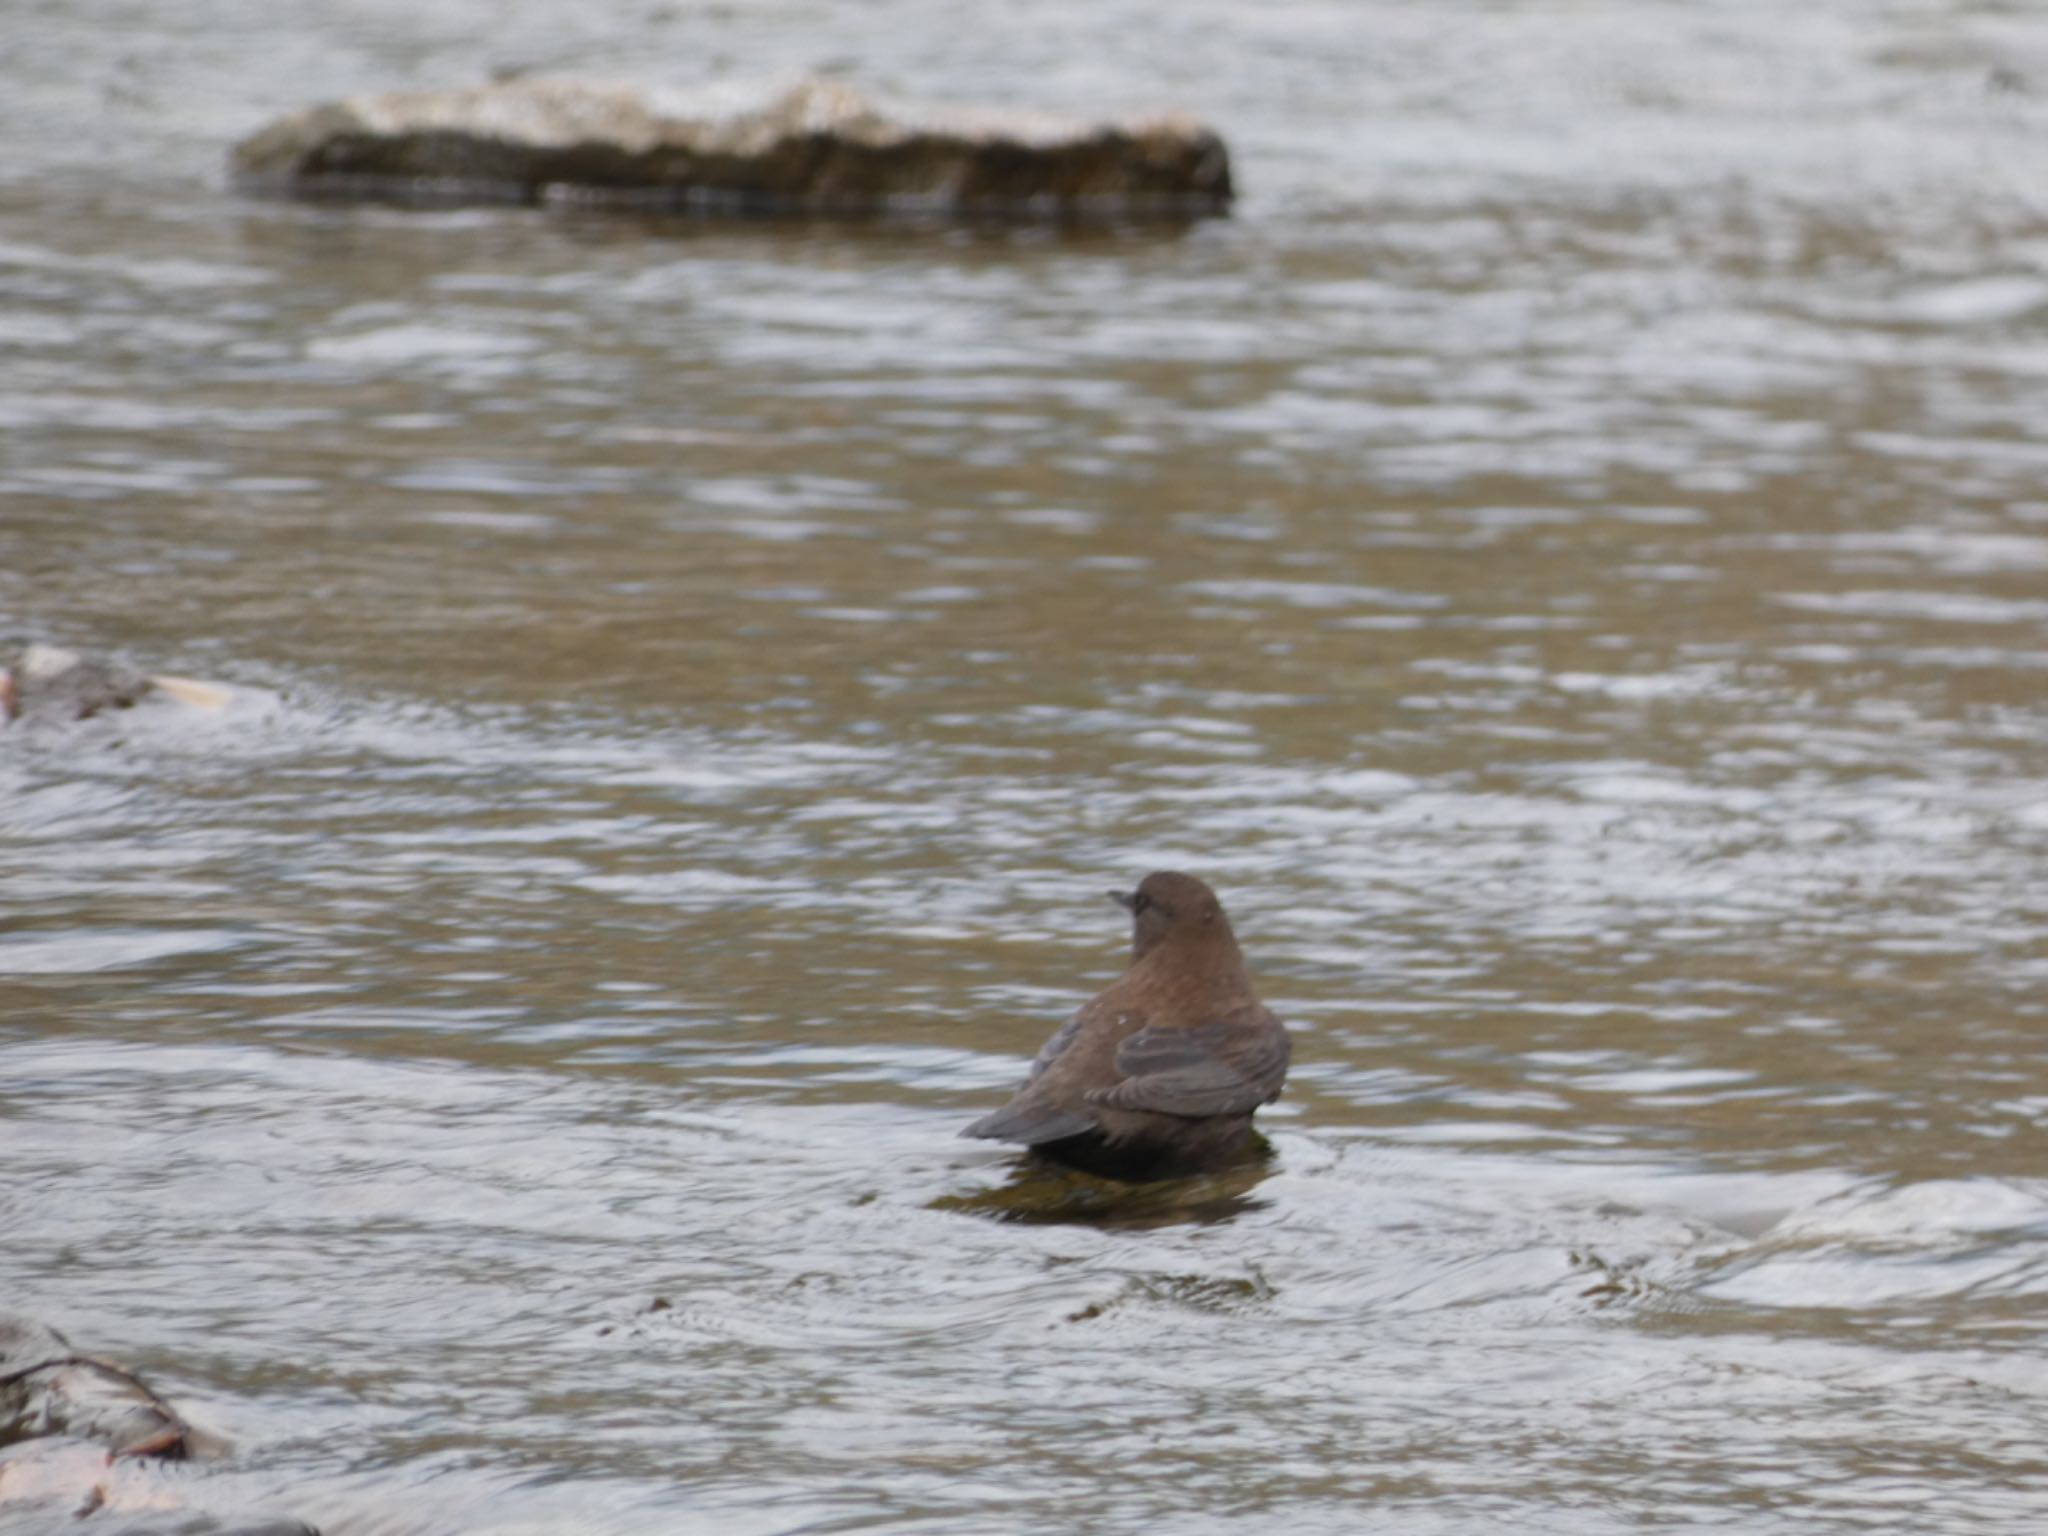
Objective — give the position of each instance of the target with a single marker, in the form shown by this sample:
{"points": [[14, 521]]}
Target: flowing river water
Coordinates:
{"points": [[1568, 561]]}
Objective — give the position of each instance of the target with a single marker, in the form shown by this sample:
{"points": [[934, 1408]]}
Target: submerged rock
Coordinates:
{"points": [[79, 1435], [820, 147], [1040, 1192], [48, 1388], [49, 684], [62, 1476]]}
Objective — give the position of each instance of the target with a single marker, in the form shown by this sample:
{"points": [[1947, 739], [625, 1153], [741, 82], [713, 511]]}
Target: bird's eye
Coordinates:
{"points": [[1139, 903]]}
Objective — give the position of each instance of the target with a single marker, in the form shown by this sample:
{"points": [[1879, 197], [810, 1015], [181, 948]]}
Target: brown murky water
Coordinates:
{"points": [[1569, 562]]}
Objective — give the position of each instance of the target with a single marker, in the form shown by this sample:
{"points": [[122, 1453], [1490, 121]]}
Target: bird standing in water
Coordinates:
{"points": [[1158, 1075]]}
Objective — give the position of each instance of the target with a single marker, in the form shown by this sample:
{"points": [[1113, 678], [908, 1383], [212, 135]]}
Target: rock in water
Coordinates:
{"points": [[820, 147], [48, 1388], [47, 684], [78, 1433]]}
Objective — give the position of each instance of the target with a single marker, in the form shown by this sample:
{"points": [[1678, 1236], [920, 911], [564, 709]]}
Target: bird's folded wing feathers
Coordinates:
{"points": [[1229, 1067], [1037, 1115], [1031, 1122], [1050, 1051]]}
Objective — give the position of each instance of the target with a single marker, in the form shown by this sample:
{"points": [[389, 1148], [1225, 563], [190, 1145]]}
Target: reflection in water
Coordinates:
{"points": [[1567, 560], [1039, 1190]]}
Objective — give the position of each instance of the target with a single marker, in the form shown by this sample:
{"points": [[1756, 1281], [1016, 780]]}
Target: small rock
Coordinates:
{"points": [[820, 147], [50, 684], [48, 1388], [49, 681], [82, 1436]]}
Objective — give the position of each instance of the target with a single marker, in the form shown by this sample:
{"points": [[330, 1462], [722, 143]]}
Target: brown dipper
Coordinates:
{"points": [[1158, 1075]]}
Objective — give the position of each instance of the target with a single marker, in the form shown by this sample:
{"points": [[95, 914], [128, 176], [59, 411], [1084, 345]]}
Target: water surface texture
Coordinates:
{"points": [[1568, 561]]}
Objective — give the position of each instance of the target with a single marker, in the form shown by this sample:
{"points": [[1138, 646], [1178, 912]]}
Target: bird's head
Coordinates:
{"points": [[1169, 907]]}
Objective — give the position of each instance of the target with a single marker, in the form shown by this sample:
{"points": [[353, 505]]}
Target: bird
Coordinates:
{"points": [[1157, 1076]]}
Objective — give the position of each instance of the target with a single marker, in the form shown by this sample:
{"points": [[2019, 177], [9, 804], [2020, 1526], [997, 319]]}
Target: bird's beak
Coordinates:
{"points": [[1128, 900]]}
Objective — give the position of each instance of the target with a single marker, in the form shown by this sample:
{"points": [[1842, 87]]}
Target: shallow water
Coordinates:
{"points": [[1568, 561]]}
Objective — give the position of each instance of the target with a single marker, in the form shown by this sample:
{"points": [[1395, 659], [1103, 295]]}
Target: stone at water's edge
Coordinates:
{"points": [[82, 1436], [819, 147], [47, 684], [47, 1388]]}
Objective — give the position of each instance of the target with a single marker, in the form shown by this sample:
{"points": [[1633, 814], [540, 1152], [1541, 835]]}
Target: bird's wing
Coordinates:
{"points": [[1229, 1066], [1041, 1111], [1052, 1049], [1030, 1120]]}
